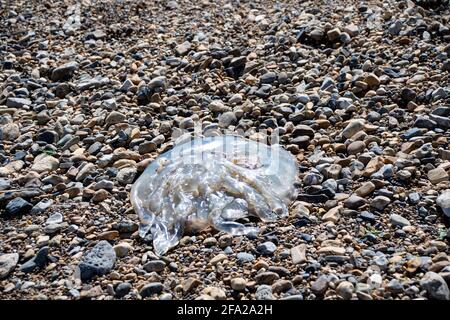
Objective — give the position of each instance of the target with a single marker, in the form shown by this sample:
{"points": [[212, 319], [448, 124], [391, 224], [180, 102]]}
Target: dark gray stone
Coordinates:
{"points": [[37, 262], [151, 289], [18, 206], [122, 289], [99, 261]]}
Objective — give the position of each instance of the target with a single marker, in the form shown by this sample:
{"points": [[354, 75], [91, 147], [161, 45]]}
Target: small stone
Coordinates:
{"points": [[108, 235], [366, 189], [282, 285], [380, 202], [238, 284], [333, 34], [345, 290], [37, 262], [126, 175], [398, 220], [218, 106], [437, 175], [166, 297], [266, 248], [267, 277], [122, 289], [413, 265], [86, 170], [215, 293], [301, 141], [65, 72], [436, 286], [332, 214], [190, 284], [55, 218], [368, 216], [122, 249], [225, 240], [226, 119], [236, 98], [352, 128], [245, 257], [395, 286], [356, 147], [210, 242], [158, 82], [150, 289], [183, 49], [218, 258], [115, 117], [317, 34], [331, 250], [48, 136], [100, 195], [17, 102], [17, 206], [354, 202], [352, 29], [264, 292], [154, 266], [372, 80], [303, 130], [98, 261], [8, 262], [404, 175], [443, 201], [45, 162], [9, 132], [395, 28], [147, 147], [298, 254], [186, 123], [268, 77], [319, 286]]}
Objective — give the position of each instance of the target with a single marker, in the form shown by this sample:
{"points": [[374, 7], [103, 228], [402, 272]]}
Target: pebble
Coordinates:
{"points": [[154, 266], [352, 128], [266, 248], [319, 286], [435, 285], [17, 206], [380, 202], [55, 218], [122, 289], [8, 262], [437, 175], [215, 293], [354, 202], [122, 249], [267, 277], [150, 289], [264, 292], [366, 189], [345, 290], [398, 220], [443, 201], [37, 262], [245, 257], [356, 147], [298, 254], [238, 284], [98, 261]]}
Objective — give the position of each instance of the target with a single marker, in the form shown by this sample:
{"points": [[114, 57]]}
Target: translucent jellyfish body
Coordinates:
{"points": [[213, 181]]}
